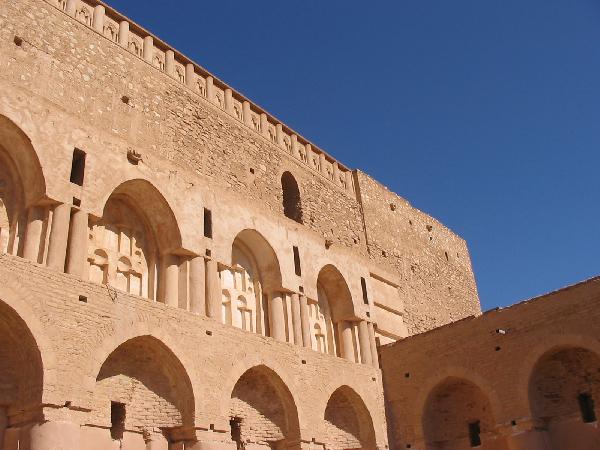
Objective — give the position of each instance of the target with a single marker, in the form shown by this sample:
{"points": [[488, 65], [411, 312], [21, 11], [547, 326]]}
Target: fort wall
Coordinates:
{"points": [[519, 372]]}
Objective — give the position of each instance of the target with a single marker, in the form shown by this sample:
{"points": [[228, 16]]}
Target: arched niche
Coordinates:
{"points": [[457, 413], [143, 392], [263, 411], [564, 394], [22, 184], [253, 275], [129, 243], [292, 202], [348, 423], [334, 303], [21, 373]]}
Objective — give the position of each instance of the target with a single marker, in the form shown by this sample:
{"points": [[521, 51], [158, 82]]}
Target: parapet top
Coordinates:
{"points": [[119, 29]]}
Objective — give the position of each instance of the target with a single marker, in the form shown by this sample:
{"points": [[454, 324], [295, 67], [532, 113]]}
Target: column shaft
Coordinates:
{"points": [[296, 319], [78, 243], [374, 355], [346, 341], [59, 237], [190, 76], [198, 285], [229, 101], [279, 134], [171, 277], [213, 290], [277, 317], [54, 435], [99, 12], [365, 343], [170, 62], [264, 125], [124, 34], [148, 50], [33, 233], [304, 318], [246, 113], [210, 89], [71, 6]]}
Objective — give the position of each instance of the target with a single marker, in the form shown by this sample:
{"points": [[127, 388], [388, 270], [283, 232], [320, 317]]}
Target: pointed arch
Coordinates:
{"points": [[564, 389], [128, 243], [254, 273], [456, 410], [21, 371], [263, 410], [150, 382], [22, 184], [348, 423]]}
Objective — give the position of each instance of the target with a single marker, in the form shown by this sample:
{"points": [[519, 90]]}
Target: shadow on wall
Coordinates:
{"points": [[263, 411]]}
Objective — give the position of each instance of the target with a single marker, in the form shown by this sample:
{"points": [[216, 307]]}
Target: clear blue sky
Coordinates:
{"points": [[485, 114]]}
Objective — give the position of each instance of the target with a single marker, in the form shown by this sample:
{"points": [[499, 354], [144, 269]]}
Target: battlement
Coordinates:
{"points": [[117, 28]]}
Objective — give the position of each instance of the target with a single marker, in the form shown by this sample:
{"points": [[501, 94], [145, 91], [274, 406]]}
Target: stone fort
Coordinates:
{"points": [[182, 271]]}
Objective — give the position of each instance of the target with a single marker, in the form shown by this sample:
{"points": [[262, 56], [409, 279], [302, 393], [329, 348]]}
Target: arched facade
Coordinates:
{"points": [[143, 393], [457, 414], [131, 246], [263, 411], [564, 395], [22, 187], [328, 312], [254, 275], [292, 202], [348, 423]]}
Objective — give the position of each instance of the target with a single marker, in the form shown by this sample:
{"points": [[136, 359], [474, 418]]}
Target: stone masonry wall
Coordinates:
{"points": [[77, 338], [88, 75], [436, 282], [498, 353]]}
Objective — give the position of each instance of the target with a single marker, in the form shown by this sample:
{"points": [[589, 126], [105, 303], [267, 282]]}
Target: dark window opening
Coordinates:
{"points": [[292, 205], [475, 434], [208, 231], [363, 285], [78, 167], [236, 432], [586, 406], [297, 266], [117, 420]]}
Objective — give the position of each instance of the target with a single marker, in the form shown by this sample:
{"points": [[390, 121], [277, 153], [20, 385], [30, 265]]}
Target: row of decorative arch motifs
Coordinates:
{"points": [[85, 15], [323, 334], [241, 293], [118, 254]]}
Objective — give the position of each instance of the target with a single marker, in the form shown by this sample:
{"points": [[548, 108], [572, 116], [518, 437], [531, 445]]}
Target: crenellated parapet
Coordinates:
{"points": [[121, 31]]}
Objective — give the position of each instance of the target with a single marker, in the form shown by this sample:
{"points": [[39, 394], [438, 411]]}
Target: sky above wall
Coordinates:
{"points": [[484, 114]]}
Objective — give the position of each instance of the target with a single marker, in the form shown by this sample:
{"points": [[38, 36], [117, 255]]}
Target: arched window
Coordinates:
{"points": [[292, 205]]}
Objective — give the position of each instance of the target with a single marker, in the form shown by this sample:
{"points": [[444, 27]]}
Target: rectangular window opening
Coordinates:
{"points": [[363, 285], [117, 420], [297, 266], [208, 230], [78, 167], [586, 406], [475, 434]]}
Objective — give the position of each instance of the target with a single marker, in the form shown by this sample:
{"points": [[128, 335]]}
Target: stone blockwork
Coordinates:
{"points": [[181, 376], [435, 280], [180, 270], [527, 376]]}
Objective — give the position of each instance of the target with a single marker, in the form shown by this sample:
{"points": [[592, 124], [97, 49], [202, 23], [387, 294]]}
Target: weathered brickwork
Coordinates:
{"points": [[518, 372], [181, 271], [173, 369], [435, 280]]}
